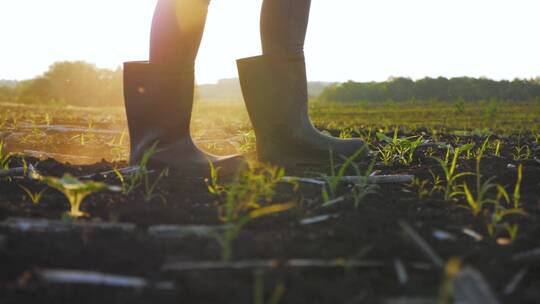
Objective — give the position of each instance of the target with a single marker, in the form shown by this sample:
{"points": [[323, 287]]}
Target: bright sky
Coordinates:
{"points": [[361, 40]]}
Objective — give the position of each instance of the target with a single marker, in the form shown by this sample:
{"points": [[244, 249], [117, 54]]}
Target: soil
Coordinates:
{"points": [[370, 232]]}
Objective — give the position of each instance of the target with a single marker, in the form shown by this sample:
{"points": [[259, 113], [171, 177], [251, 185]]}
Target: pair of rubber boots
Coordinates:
{"points": [[159, 105]]}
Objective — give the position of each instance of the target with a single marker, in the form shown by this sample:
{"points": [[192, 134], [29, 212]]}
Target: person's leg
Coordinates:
{"points": [[274, 87], [283, 26], [177, 29], [159, 93]]}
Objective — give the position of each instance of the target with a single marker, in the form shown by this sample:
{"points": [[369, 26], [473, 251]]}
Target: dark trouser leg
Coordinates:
{"points": [[283, 26], [177, 30]]}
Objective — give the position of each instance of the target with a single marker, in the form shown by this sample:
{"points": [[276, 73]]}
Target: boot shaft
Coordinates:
{"points": [[158, 105], [275, 92]]}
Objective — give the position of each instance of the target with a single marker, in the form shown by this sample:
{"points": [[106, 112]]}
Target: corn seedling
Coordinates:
{"points": [[479, 152], [242, 205], [34, 136], [118, 140], [119, 153], [437, 183], [5, 157], [346, 133], [329, 190], [536, 137], [212, 183], [134, 181], [430, 152], [497, 218], [363, 188], [14, 122], [117, 146], [47, 119], [512, 230], [521, 153], [449, 167], [516, 195], [495, 146], [35, 197], [81, 137], [402, 149], [258, 290], [386, 154], [500, 211], [151, 185], [366, 136], [476, 204], [3, 121], [446, 289], [247, 142], [421, 186], [75, 190]]}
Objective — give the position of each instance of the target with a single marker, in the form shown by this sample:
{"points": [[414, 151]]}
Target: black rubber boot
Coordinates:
{"points": [[275, 93], [158, 109]]}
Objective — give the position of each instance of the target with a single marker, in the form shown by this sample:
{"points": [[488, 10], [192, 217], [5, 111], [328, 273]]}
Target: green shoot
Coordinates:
{"points": [[498, 216], [422, 186], [521, 153], [402, 149], [212, 183], [329, 190], [366, 136], [346, 133], [496, 147], [386, 154], [48, 119], [501, 212], [150, 187], [235, 226], [449, 167], [512, 230], [479, 153], [5, 157], [446, 289], [242, 205], [476, 204], [517, 188], [363, 188], [258, 290], [75, 190], [35, 197], [536, 137], [134, 181], [247, 142], [515, 200]]}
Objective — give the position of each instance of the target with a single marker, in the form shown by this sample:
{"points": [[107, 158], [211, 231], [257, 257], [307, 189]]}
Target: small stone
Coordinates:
{"points": [[442, 235], [504, 241]]}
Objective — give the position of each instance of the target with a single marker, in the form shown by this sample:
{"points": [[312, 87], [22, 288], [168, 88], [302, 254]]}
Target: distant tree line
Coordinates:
{"points": [[82, 84], [73, 83], [434, 89]]}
